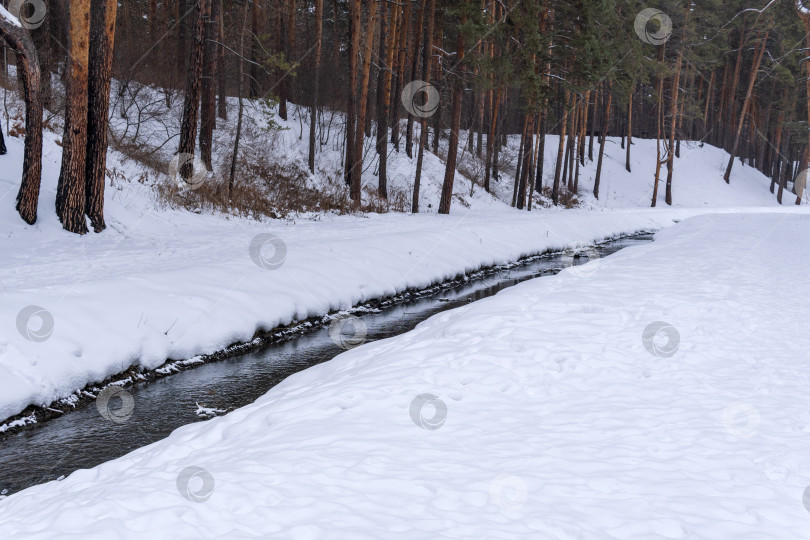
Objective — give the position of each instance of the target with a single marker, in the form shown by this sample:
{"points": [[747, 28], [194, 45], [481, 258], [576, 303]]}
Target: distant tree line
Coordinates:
{"points": [[733, 74]]}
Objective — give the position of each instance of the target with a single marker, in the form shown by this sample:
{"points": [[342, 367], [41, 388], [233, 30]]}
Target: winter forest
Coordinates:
{"points": [[404, 269]]}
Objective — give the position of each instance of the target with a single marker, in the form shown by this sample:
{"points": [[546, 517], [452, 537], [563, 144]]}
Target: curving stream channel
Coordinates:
{"points": [[83, 439]]}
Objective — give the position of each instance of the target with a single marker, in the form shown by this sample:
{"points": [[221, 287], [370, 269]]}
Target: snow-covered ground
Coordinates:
{"points": [[657, 393], [163, 283]]}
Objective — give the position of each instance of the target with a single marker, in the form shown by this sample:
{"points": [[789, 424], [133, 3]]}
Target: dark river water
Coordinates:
{"points": [[84, 439]]}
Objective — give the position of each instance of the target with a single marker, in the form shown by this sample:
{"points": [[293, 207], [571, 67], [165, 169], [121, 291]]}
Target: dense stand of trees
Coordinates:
{"points": [[733, 74]]}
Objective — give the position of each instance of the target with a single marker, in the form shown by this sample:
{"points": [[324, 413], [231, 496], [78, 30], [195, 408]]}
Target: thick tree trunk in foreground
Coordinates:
{"points": [[28, 66], [188, 129], [102, 43], [70, 194]]}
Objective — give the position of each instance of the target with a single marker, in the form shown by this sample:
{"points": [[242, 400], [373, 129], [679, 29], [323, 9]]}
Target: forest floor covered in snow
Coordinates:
{"points": [[660, 392], [164, 283]]}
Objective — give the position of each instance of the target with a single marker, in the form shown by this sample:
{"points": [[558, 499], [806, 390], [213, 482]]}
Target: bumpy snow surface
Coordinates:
{"points": [[661, 392]]}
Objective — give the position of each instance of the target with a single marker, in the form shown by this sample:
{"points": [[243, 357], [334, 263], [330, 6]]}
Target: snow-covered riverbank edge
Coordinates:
{"points": [[545, 411], [35, 415], [210, 293]]}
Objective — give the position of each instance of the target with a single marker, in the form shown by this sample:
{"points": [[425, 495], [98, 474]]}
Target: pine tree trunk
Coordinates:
{"points": [[754, 70], [414, 70], [357, 181], [806, 19], [541, 150], [528, 151], [255, 52], [208, 92], [102, 43], [629, 130], [313, 115], [493, 122], [452, 151], [709, 97], [659, 109], [222, 103], [70, 195], [240, 92], [351, 113], [427, 53], [597, 180], [191, 105], [387, 76], [402, 57], [555, 190], [572, 151], [28, 66], [673, 113]]}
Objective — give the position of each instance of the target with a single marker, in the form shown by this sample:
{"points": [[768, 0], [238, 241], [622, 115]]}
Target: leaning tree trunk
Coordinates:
{"points": [[70, 193], [191, 106], [754, 69], [28, 66], [102, 33]]}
